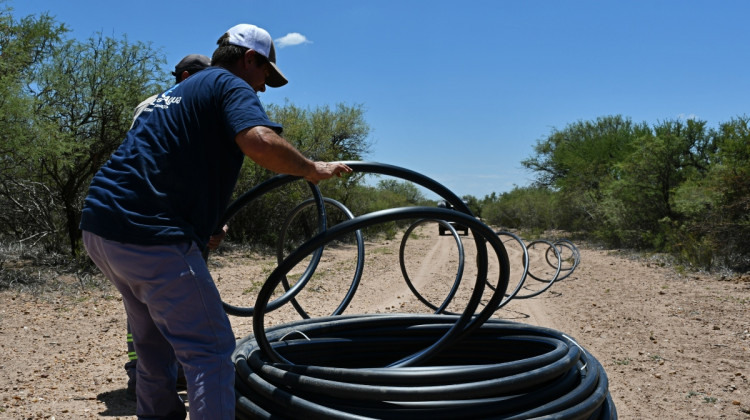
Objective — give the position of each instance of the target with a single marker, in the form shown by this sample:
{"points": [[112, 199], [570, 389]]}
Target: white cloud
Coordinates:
{"points": [[686, 117], [290, 39]]}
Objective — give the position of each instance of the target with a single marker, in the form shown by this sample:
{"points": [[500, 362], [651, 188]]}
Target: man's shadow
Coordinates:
{"points": [[118, 403]]}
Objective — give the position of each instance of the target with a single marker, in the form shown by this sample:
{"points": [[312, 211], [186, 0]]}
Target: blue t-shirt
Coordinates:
{"points": [[173, 176]]}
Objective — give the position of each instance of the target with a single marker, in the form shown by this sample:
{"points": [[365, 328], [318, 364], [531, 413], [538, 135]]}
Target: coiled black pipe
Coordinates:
{"points": [[503, 370], [410, 366], [364, 167], [575, 255], [245, 199], [318, 200], [414, 366], [311, 268], [466, 323], [552, 248], [549, 282]]}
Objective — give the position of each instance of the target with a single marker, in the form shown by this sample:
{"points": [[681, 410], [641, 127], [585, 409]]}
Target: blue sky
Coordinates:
{"points": [[462, 91]]}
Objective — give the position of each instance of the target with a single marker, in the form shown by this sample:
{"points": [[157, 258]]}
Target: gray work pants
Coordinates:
{"points": [[176, 314]]}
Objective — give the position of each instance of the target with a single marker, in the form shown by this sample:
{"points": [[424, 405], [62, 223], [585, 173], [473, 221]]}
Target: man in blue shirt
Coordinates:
{"points": [[190, 64], [153, 206]]}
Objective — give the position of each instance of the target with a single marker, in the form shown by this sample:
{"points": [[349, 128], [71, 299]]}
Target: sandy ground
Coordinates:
{"points": [[674, 344]]}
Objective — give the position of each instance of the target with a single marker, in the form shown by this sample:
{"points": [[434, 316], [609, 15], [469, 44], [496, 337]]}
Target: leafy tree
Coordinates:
{"points": [[579, 160], [26, 209], [715, 205], [389, 193], [86, 96], [676, 187], [68, 105], [641, 195], [405, 193], [523, 208], [324, 133], [24, 43], [581, 155], [320, 134]]}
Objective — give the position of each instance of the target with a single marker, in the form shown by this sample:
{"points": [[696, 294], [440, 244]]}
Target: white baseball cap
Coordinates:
{"points": [[258, 40]]}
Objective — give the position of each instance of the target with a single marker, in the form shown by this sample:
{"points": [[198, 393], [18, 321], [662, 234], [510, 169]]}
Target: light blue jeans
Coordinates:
{"points": [[172, 304]]}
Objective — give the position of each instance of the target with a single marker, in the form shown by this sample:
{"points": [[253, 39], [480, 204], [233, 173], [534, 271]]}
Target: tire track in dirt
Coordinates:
{"points": [[431, 262]]}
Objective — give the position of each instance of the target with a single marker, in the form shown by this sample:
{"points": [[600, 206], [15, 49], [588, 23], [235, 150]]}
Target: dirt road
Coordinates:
{"points": [[675, 345]]}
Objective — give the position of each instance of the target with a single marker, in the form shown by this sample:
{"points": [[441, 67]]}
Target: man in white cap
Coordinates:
{"points": [[153, 206]]}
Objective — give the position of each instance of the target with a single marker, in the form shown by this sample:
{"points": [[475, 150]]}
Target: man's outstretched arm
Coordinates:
{"points": [[273, 152]]}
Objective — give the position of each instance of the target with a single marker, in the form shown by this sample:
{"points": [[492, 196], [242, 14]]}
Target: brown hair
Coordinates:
{"points": [[226, 54]]}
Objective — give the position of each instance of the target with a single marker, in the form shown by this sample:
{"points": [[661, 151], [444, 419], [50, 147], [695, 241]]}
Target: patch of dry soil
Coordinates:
{"points": [[674, 346]]}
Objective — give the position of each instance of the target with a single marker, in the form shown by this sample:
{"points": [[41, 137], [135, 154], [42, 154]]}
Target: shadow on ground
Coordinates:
{"points": [[117, 403]]}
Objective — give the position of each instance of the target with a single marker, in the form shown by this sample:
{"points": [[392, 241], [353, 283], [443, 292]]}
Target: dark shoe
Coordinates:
{"points": [[130, 392]]}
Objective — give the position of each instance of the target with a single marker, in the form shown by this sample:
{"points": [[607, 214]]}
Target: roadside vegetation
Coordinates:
{"points": [[679, 187], [675, 187]]}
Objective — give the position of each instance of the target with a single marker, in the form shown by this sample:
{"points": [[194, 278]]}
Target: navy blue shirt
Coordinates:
{"points": [[173, 176]]}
